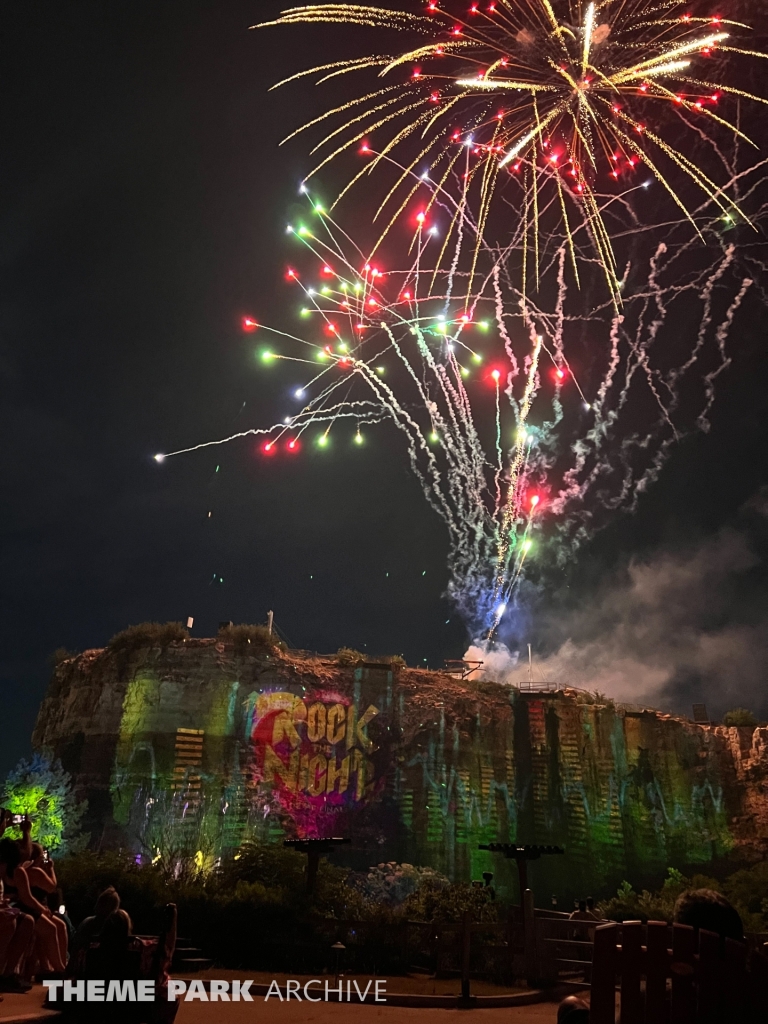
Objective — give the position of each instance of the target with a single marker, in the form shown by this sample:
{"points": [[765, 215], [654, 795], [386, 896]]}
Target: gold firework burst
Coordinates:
{"points": [[568, 96]]}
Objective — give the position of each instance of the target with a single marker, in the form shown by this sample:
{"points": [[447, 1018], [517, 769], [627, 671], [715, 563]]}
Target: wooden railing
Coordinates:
{"points": [[670, 974], [563, 948]]}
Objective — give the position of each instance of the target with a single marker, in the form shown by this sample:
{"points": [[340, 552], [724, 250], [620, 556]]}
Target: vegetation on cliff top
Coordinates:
{"points": [[349, 656], [60, 655], [251, 639], [147, 634], [739, 717]]}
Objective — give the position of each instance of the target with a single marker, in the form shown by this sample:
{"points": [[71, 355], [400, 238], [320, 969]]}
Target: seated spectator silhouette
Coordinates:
{"points": [[573, 1010], [90, 928], [710, 910], [119, 955]]}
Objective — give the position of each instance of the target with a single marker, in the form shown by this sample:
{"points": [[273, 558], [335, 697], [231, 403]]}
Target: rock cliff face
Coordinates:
{"points": [[200, 744]]}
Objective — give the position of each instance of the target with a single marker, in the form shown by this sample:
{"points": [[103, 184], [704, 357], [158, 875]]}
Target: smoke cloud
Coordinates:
{"points": [[679, 627]]}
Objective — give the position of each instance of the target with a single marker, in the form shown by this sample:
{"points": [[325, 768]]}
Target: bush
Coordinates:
{"points": [[254, 912], [628, 905], [391, 883], [251, 639], [251, 912], [739, 717], [148, 634], [43, 790], [435, 902], [747, 889]]}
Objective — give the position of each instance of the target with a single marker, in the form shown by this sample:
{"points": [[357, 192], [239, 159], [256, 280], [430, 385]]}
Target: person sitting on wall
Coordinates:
{"points": [[17, 888], [42, 883], [90, 928], [15, 933], [16, 930], [24, 826], [56, 905], [42, 874]]}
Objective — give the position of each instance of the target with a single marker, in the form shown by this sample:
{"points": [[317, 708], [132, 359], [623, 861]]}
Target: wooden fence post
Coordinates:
{"points": [[529, 938], [656, 970], [466, 951], [631, 972], [683, 974], [604, 964]]}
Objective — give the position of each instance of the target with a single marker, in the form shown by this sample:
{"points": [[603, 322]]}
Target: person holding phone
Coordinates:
{"points": [[16, 882], [42, 882]]}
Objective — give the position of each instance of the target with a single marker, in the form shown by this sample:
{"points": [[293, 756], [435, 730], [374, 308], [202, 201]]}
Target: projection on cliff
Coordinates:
{"points": [[196, 748]]}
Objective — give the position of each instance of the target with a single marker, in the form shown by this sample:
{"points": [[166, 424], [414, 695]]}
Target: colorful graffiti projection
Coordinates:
{"points": [[199, 750], [314, 749]]}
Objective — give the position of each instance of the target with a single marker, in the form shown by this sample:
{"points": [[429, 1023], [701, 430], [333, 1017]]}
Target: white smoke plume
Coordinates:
{"points": [[679, 627]]}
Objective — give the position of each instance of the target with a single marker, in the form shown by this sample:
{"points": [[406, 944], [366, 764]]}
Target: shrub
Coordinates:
{"points": [[391, 883], [739, 717], [436, 902], [268, 864], [148, 634], [43, 790], [747, 889], [251, 639], [628, 905], [143, 890], [252, 912]]}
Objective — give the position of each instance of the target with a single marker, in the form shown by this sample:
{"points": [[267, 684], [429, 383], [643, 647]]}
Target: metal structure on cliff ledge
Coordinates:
{"points": [[198, 745]]}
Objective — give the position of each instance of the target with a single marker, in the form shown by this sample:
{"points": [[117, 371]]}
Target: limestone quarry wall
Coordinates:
{"points": [[201, 744]]}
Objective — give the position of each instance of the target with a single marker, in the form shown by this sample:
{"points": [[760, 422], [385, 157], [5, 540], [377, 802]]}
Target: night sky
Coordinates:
{"points": [[144, 201]]}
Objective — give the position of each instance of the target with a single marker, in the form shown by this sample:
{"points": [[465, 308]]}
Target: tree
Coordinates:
{"points": [[43, 790], [739, 716]]}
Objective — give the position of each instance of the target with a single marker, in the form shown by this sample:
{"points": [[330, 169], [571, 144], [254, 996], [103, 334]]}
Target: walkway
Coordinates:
{"points": [[28, 1009]]}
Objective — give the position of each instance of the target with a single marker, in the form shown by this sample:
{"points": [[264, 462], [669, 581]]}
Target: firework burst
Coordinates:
{"points": [[568, 98]]}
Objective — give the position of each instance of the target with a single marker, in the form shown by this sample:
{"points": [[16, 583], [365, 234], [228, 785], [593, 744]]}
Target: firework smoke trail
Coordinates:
{"points": [[509, 477]]}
